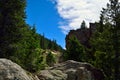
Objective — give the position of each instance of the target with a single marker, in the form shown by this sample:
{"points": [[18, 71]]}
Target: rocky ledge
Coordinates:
{"points": [[69, 70]]}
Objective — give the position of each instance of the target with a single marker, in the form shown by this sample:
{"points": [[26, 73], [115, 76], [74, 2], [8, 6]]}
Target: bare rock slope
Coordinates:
{"points": [[72, 70]]}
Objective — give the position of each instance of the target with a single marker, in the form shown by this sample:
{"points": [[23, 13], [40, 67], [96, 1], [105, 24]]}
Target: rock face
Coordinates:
{"points": [[83, 35], [12, 71], [71, 70]]}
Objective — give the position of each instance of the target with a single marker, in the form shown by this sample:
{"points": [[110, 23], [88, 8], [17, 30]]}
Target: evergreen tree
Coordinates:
{"points": [[42, 41], [112, 15], [75, 51], [83, 25], [12, 19], [102, 49], [106, 40]]}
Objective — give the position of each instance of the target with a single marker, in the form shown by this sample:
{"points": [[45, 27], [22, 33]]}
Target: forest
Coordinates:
{"points": [[21, 43]]}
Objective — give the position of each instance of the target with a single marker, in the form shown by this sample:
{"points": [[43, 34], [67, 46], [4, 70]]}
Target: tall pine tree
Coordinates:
{"points": [[12, 19], [106, 41], [112, 15], [75, 51], [83, 25]]}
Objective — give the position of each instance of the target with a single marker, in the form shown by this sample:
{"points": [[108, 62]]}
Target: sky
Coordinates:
{"points": [[55, 18]]}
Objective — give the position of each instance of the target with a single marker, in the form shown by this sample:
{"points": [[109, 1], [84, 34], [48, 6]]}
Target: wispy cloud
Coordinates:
{"points": [[75, 11]]}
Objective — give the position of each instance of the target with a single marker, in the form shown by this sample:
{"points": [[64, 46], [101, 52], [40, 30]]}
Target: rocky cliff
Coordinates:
{"points": [[83, 35]]}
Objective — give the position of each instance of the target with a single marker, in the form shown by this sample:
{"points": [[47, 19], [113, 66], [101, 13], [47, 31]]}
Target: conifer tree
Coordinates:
{"points": [[12, 19], [103, 52], [83, 25], [112, 15], [106, 41], [75, 51]]}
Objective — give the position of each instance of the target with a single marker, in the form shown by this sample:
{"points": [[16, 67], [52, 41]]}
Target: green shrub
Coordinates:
{"points": [[50, 59]]}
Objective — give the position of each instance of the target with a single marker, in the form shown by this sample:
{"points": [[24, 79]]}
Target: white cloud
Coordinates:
{"points": [[75, 11]]}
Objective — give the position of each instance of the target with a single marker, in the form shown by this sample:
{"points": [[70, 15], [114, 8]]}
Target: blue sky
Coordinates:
{"points": [[54, 18], [44, 15]]}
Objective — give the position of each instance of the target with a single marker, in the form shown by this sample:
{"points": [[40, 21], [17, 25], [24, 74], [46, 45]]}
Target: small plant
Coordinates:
{"points": [[50, 59]]}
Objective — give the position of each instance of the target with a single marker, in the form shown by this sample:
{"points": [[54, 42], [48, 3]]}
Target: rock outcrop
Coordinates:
{"points": [[71, 70], [83, 35], [12, 71]]}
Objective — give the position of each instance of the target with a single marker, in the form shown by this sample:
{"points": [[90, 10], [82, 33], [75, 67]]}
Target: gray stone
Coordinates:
{"points": [[12, 71], [69, 70], [71, 74], [72, 70], [83, 74], [52, 75]]}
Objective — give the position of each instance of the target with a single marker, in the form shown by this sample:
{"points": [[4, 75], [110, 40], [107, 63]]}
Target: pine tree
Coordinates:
{"points": [[112, 15], [12, 19], [83, 25], [75, 51], [106, 40], [102, 49]]}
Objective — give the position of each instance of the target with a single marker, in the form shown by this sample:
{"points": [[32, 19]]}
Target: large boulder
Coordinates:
{"points": [[12, 71], [71, 70]]}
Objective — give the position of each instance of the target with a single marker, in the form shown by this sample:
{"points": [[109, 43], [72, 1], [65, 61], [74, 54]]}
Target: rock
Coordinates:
{"points": [[12, 71], [69, 70], [52, 75], [71, 74], [83, 74], [72, 70], [83, 35]]}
